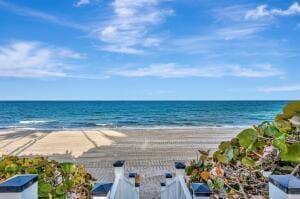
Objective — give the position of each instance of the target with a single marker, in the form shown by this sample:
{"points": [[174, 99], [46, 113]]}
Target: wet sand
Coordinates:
{"points": [[149, 152]]}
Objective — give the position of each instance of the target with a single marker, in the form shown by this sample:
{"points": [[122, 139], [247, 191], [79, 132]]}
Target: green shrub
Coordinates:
{"points": [[243, 164], [55, 180]]}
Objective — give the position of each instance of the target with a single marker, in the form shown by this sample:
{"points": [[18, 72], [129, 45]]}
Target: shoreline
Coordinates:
{"points": [[128, 128]]}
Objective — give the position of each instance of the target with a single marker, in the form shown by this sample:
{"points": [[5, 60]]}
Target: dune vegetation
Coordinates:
{"points": [[55, 180], [240, 167]]}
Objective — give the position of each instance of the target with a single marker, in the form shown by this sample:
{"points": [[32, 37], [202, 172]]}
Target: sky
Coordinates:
{"points": [[149, 50]]}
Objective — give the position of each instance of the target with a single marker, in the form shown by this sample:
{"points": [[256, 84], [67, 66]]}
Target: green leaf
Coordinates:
{"points": [[224, 145], [293, 153], [264, 124], [283, 126], [220, 157], [31, 170], [234, 142], [68, 184], [210, 184], [189, 170], [279, 142], [247, 138], [260, 144], [44, 188], [270, 131], [59, 191], [248, 162], [68, 167], [261, 127], [251, 147], [218, 183], [229, 154], [236, 153], [11, 168]]}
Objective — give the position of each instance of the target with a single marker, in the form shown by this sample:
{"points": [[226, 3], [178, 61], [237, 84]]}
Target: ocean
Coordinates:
{"points": [[135, 114]]}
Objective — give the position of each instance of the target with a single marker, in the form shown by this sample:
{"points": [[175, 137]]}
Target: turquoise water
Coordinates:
{"points": [[82, 114]]}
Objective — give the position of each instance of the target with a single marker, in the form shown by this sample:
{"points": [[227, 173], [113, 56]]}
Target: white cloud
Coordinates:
{"points": [[292, 10], [28, 12], [123, 49], [260, 11], [233, 13], [128, 30], [82, 2], [34, 59], [286, 88], [172, 70], [263, 11], [229, 33]]}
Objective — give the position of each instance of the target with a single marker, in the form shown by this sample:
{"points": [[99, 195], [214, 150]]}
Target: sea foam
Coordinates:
{"points": [[32, 122]]}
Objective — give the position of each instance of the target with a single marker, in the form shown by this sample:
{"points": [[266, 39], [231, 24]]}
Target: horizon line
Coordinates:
{"points": [[139, 100]]}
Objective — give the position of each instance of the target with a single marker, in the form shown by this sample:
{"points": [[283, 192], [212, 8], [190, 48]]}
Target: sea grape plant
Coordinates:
{"points": [[244, 162], [55, 180]]}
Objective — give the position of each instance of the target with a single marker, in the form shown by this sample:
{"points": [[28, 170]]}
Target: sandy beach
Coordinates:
{"points": [[149, 152]]}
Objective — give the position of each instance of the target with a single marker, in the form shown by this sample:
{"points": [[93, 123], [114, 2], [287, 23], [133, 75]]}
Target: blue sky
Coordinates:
{"points": [[149, 50]]}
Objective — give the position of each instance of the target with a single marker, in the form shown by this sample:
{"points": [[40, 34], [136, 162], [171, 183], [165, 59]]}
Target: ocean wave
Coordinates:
{"points": [[32, 122], [105, 125]]}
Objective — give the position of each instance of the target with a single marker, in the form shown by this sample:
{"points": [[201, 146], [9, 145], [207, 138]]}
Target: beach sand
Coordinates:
{"points": [[149, 152]]}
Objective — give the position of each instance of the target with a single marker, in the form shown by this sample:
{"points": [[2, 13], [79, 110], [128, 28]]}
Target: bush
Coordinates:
{"points": [[56, 180], [240, 167]]}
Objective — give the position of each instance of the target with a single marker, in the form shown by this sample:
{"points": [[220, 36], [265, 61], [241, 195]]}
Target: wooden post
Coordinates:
{"points": [[119, 168], [180, 172], [163, 193], [169, 177], [131, 177]]}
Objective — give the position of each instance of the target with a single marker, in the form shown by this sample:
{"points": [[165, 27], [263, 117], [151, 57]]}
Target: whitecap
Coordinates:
{"points": [[32, 122]]}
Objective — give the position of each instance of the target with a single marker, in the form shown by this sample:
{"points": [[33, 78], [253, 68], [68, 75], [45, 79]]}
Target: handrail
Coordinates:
{"points": [[131, 184], [171, 183], [170, 191], [168, 185], [127, 185], [128, 181], [185, 189], [114, 188]]}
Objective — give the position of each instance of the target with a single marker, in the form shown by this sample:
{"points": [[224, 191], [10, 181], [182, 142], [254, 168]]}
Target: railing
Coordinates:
{"points": [[26, 187], [130, 190], [184, 192], [168, 191], [122, 187], [175, 188], [116, 189]]}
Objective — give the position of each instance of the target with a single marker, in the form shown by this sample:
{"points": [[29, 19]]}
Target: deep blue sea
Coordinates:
{"points": [[135, 114]]}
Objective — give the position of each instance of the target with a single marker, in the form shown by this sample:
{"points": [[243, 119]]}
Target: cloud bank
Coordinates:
{"points": [[172, 70]]}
